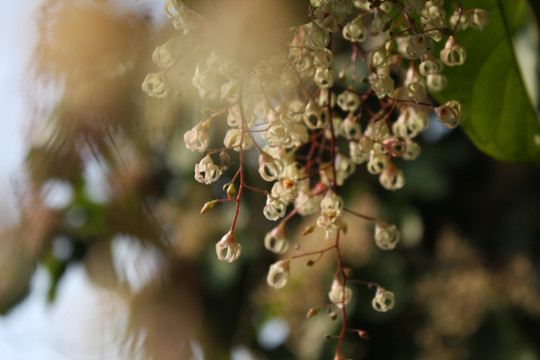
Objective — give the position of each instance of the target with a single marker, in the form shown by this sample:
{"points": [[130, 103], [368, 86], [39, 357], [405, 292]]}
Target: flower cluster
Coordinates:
{"points": [[313, 123]]}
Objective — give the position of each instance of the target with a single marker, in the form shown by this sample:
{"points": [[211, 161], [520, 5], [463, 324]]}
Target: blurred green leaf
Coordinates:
{"points": [[498, 115]]}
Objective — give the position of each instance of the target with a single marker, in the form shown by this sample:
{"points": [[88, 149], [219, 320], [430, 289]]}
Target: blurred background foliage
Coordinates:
{"points": [[111, 188]]}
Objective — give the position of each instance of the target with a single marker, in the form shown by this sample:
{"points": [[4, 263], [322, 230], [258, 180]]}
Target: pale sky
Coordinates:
{"points": [[17, 38]]}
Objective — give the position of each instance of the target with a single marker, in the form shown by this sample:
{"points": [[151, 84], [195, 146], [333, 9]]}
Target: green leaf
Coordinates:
{"points": [[498, 115]]}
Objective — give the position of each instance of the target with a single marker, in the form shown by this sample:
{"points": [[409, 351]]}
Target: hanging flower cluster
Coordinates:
{"points": [[313, 124]]}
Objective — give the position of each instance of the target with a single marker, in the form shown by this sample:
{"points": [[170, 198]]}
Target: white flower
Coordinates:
{"points": [[206, 171], [453, 54], [383, 300], [386, 235], [155, 86], [236, 139], [162, 56], [392, 178], [339, 294], [274, 209], [269, 168], [276, 240], [197, 138], [228, 249], [278, 274], [449, 114]]}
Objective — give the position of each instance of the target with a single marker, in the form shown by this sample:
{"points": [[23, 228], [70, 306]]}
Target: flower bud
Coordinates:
{"points": [[312, 312], [230, 190], [208, 206], [308, 230]]}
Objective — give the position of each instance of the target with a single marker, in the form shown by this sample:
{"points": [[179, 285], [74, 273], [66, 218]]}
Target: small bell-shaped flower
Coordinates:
{"points": [[412, 151], [460, 20], [228, 249], [197, 138], [274, 209], [379, 58], [155, 86], [384, 300], [348, 100], [162, 56], [417, 121], [332, 201], [276, 240], [299, 134], [436, 82], [453, 54], [357, 153], [317, 38], [278, 274], [416, 91], [377, 163], [350, 129], [207, 84], [315, 117], [480, 18], [339, 294], [382, 84], [419, 45], [269, 168], [392, 178], [344, 168], [386, 235], [236, 139], [356, 30], [206, 171], [449, 114], [324, 77], [430, 66], [322, 57]]}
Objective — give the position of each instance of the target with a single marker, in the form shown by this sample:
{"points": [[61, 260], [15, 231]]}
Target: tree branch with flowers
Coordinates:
{"points": [[313, 121]]}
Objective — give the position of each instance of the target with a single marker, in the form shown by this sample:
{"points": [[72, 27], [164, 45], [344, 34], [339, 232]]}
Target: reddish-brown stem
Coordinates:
{"points": [[369, 218]]}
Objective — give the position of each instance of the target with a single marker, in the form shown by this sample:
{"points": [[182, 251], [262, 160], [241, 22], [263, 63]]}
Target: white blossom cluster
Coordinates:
{"points": [[310, 125]]}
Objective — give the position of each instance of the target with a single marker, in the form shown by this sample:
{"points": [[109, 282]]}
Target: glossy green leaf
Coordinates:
{"points": [[498, 115]]}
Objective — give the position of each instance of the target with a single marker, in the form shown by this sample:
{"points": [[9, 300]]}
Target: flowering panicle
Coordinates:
{"points": [[314, 124]]}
